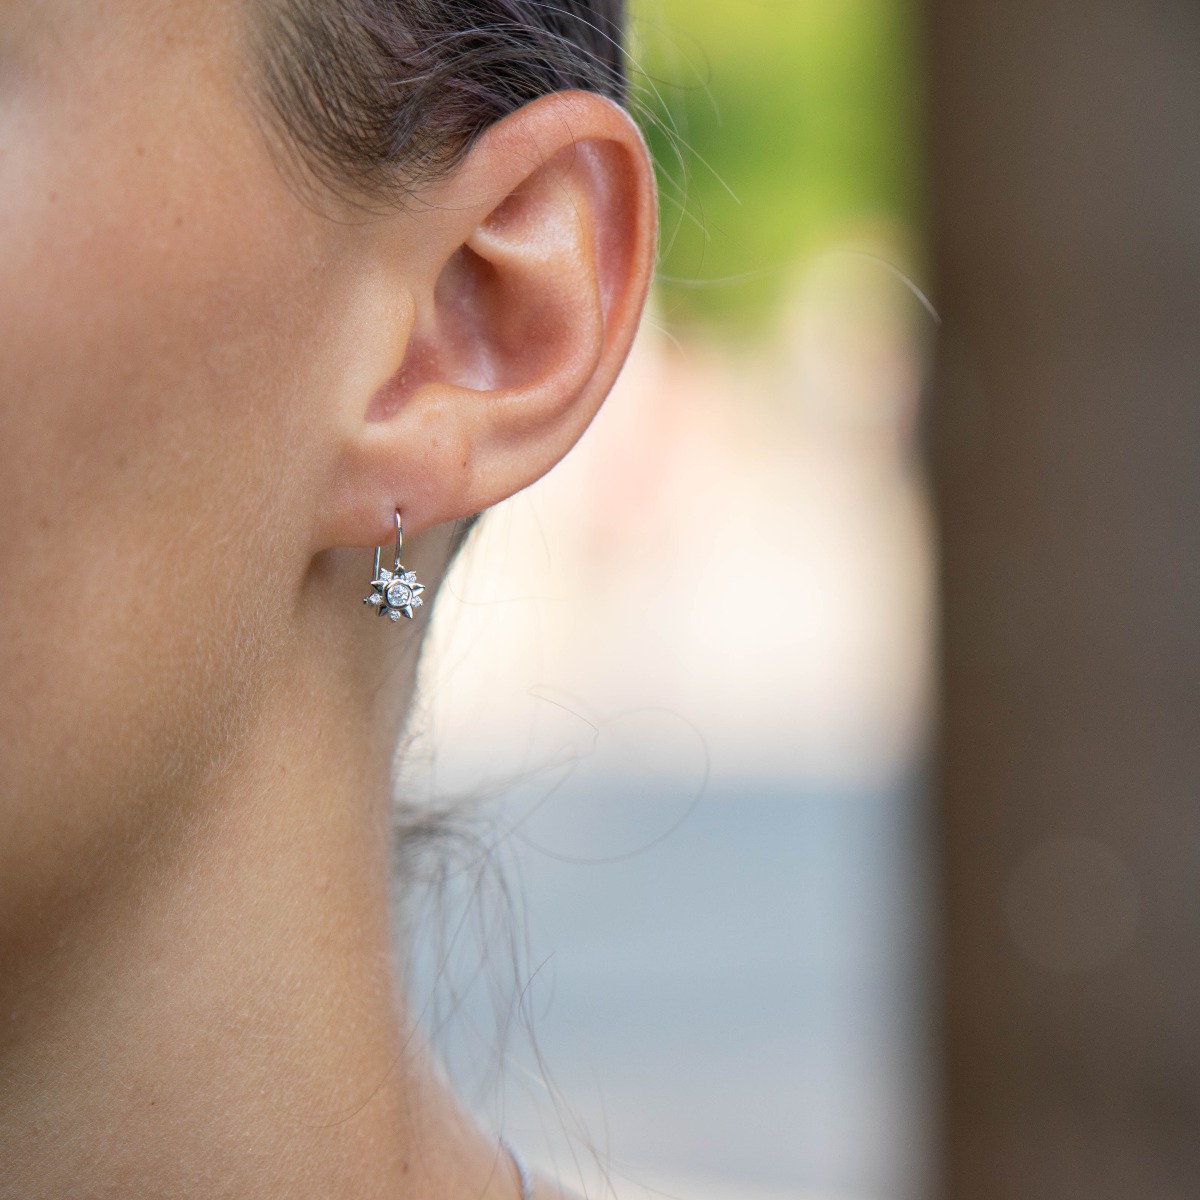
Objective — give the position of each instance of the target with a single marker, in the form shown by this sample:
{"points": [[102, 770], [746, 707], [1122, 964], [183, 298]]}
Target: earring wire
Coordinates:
{"points": [[397, 592], [399, 545]]}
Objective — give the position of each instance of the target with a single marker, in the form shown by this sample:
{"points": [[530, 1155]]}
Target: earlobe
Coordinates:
{"points": [[529, 270]]}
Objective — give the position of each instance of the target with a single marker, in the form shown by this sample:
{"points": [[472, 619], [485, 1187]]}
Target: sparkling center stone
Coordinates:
{"points": [[399, 595]]}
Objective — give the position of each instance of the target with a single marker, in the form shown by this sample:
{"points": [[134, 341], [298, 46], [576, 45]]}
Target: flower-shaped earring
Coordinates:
{"points": [[397, 591]]}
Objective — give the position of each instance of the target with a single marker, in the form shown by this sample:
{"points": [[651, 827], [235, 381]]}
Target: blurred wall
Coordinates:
{"points": [[1066, 177]]}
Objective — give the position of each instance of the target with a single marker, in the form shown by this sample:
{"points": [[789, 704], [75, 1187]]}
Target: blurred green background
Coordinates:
{"points": [[778, 127]]}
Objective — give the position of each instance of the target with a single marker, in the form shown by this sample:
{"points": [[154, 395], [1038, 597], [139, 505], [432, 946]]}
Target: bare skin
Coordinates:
{"points": [[214, 395]]}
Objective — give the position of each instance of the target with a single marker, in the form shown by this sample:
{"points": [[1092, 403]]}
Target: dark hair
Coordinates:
{"points": [[381, 96]]}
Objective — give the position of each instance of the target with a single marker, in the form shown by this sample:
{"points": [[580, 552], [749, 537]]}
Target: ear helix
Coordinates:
{"points": [[396, 592]]}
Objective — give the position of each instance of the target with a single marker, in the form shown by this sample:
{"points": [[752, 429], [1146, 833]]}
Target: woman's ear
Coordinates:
{"points": [[516, 289]]}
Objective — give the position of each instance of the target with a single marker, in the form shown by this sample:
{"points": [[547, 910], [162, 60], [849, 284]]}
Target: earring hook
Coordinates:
{"points": [[396, 592], [399, 544]]}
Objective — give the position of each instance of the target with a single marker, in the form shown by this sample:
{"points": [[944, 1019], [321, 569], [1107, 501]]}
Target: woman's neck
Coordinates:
{"points": [[218, 1015]]}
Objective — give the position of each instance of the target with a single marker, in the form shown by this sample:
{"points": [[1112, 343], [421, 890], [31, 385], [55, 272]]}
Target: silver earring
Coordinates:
{"points": [[397, 591]]}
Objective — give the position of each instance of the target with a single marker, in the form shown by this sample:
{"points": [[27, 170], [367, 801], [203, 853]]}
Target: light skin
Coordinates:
{"points": [[214, 395]]}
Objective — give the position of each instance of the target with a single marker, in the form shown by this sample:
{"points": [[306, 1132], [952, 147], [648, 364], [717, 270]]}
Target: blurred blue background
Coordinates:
{"points": [[684, 681]]}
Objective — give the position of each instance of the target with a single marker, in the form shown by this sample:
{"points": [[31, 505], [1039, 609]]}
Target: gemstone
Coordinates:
{"points": [[394, 614], [375, 599], [399, 594]]}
